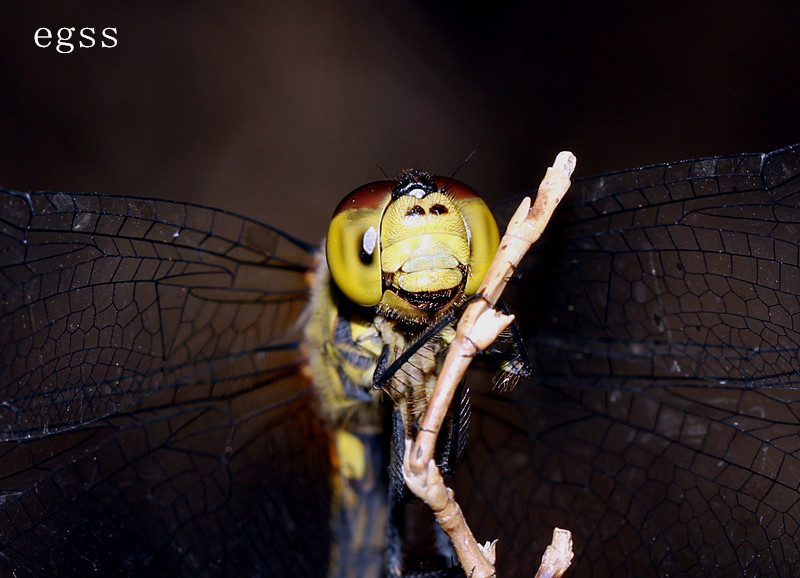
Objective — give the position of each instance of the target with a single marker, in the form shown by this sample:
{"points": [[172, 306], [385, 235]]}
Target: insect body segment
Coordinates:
{"points": [[343, 348]]}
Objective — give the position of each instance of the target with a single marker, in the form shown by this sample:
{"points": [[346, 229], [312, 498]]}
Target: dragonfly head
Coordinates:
{"points": [[414, 247]]}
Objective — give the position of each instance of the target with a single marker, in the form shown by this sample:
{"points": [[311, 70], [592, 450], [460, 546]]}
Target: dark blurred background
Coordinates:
{"points": [[277, 109]]}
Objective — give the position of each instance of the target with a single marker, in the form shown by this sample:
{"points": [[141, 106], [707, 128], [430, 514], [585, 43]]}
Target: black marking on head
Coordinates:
{"points": [[430, 300], [411, 180]]}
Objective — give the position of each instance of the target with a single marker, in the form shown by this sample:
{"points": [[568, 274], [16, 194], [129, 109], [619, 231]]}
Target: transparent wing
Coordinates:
{"points": [[662, 423], [151, 410]]}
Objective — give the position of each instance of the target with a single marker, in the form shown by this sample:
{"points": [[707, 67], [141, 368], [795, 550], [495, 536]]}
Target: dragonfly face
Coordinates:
{"points": [[413, 248], [154, 415]]}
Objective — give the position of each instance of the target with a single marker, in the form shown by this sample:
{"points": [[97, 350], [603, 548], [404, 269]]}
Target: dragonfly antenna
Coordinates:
{"points": [[380, 168], [459, 167]]}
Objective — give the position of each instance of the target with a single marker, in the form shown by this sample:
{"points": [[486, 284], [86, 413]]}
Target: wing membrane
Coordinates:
{"points": [[662, 421], [153, 415]]}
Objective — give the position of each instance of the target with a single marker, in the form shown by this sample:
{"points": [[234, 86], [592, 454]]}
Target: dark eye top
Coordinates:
{"points": [[438, 209], [415, 211]]}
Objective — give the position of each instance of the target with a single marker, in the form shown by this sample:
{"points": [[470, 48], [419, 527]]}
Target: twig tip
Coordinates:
{"points": [[565, 162]]}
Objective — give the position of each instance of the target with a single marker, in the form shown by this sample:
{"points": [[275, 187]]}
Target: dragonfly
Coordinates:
{"points": [[157, 413]]}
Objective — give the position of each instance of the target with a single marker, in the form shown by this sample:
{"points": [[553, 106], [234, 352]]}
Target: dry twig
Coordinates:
{"points": [[557, 556], [479, 327]]}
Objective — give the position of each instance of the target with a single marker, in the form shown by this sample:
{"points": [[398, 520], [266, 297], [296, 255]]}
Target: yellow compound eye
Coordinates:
{"points": [[352, 246], [482, 228]]}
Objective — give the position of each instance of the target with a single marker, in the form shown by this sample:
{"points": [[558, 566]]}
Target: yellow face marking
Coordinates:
{"points": [[425, 243]]}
